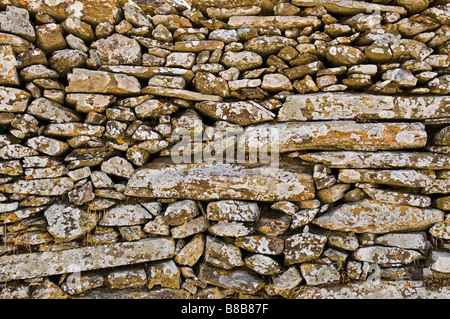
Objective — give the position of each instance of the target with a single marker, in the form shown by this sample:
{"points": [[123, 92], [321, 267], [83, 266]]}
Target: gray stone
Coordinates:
{"points": [[318, 274], [32, 265], [125, 215], [303, 247], [68, 222], [386, 255], [378, 218]]}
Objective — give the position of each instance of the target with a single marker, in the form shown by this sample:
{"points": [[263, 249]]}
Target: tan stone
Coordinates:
{"points": [[224, 181], [281, 22], [342, 135], [378, 218]]}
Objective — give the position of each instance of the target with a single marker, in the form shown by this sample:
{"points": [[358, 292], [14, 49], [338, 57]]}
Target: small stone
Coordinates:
{"points": [[126, 278], [276, 83], [317, 274], [222, 254], [440, 261], [8, 73], [125, 215], [404, 240], [118, 166], [67, 222], [190, 254], [261, 244], [164, 274], [263, 265], [441, 229], [303, 247], [49, 37], [189, 228], [230, 229]]}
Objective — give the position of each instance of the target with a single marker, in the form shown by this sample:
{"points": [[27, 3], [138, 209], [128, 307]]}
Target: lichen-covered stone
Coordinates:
{"points": [[105, 256], [378, 218], [208, 182], [303, 247]]}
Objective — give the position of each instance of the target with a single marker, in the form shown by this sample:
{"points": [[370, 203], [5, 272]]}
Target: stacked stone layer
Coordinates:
{"points": [[224, 149]]}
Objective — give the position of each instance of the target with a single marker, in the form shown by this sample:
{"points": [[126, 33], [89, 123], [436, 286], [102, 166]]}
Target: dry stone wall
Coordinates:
{"points": [[224, 149]]}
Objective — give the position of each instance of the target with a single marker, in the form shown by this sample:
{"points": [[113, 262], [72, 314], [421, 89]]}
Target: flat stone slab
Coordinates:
{"points": [[242, 112], [281, 22], [33, 265], [206, 181], [88, 81], [332, 135], [400, 177], [147, 72], [91, 11], [43, 187], [386, 255], [369, 216], [349, 7], [181, 94], [349, 159], [348, 106], [377, 290]]}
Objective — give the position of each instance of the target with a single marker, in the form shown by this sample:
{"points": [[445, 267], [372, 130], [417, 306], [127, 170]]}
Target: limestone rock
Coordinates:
{"points": [[349, 7], [268, 44], [407, 178], [213, 181], [261, 244], [104, 256], [344, 55], [49, 110], [332, 106], [441, 229], [394, 197], [386, 255], [232, 210], [8, 73], [189, 228], [440, 261], [404, 240], [180, 212], [284, 284], [317, 274], [378, 218], [237, 279], [68, 222], [118, 166], [243, 60], [263, 265], [242, 112], [191, 252], [43, 187], [303, 247], [13, 100], [125, 215], [380, 160], [343, 135], [222, 254], [163, 273], [87, 81]]}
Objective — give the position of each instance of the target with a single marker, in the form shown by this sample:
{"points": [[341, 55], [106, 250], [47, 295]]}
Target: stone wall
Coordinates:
{"points": [[224, 149]]}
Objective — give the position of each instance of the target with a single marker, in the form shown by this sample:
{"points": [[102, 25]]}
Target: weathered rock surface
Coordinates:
{"points": [[343, 135], [378, 218], [418, 160], [345, 106], [224, 181], [52, 263]]}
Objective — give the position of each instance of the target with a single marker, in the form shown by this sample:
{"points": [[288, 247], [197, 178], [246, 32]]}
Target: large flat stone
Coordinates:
{"points": [[380, 160], [281, 22], [88, 81], [349, 106], [43, 187], [377, 289], [242, 112], [333, 135], [369, 216], [32, 265], [91, 11], [350, 7], [221, 181], [400, 177], [147, 72]]}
